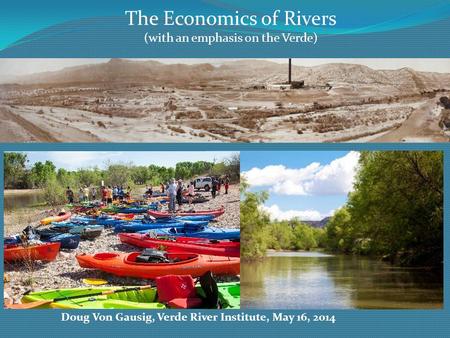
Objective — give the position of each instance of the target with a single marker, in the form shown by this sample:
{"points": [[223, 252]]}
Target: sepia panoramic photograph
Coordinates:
{"points": [[224, 100]]}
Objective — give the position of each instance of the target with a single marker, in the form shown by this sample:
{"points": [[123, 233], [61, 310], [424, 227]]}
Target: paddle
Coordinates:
{"points": [[39, 303]]}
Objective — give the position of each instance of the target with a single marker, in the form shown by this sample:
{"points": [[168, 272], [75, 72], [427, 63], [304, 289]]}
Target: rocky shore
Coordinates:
{"points": [[65, 272]]}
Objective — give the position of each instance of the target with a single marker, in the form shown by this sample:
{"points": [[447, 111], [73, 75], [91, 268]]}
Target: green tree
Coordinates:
{"points": [[254, 226], [41, 173], [15, 170], [395, 210]]}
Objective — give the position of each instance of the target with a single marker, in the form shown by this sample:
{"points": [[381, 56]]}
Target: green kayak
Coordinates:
{"points": [[86, 298], [136, 299]]}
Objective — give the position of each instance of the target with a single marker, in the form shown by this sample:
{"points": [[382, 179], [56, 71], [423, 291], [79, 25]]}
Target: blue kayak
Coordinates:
{"points": [[132, 210], [73, 227], [199, 232], [68, 241], [135, 226], [106, 221]]}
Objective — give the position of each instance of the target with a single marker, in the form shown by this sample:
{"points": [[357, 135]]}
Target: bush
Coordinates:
{"points": [[54, 193]]}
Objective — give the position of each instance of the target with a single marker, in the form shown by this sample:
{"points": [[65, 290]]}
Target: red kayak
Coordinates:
{"points": [[134, 264], [36, 252], [165, 214], [183, 244]]}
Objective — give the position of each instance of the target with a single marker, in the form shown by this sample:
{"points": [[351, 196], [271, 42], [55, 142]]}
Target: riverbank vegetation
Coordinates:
{"points": [[395, 212], [259, 233], [18, 174]]}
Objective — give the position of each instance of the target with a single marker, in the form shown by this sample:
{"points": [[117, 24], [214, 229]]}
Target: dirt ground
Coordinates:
{"points": [[65, 272], [225, 114]]}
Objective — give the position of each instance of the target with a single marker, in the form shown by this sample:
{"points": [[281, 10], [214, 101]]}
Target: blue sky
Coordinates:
{"points": [[305, 184], [72, 160]]}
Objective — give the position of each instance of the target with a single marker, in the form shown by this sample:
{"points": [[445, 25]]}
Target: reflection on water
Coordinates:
{"points": [[308, 280], [19, 199]]}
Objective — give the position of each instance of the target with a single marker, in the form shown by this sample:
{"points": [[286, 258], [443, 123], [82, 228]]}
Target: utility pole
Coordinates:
{"points": [[290, 71]]}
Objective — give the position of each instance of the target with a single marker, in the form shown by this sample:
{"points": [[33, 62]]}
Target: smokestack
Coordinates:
{"points": [[290, 70]]}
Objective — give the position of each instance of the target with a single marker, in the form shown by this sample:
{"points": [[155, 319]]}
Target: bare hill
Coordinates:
{"points": [[242, 71]]}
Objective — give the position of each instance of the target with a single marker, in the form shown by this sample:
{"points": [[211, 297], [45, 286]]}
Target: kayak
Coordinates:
{"points": [[165, 214], [35, 252], [186, 218], [143, 226], [133, 299], [67, 241], [86, 231], [229, 295], [106, 221], [135, 210], [203, 232], [128, 264], [184, 244], [58, 218], [74, 227]]}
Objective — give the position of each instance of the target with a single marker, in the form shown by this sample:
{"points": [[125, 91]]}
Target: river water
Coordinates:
{"points": [[22, 199], [313, 280]]}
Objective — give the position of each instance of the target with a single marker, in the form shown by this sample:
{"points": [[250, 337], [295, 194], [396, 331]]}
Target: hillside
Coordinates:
{"points": [[318, 224], [243, 71]]}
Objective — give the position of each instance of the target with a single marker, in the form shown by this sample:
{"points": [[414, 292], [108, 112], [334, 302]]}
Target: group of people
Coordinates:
{"points": [[83, 194], [114, 193], [217, 183], [175, 192], [108, 194]]}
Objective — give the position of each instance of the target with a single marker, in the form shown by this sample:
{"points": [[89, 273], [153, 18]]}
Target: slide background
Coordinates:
{"points": [[382, 28]]}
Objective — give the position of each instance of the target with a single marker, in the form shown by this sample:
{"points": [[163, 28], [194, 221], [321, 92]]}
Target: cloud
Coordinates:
{"points": [[73, 160], [333, 178], [275, 213]]}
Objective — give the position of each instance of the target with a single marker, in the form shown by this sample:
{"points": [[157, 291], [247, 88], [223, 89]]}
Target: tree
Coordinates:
{"points": [[14, 170], [254, 226], [395, 210], [41, 173]]}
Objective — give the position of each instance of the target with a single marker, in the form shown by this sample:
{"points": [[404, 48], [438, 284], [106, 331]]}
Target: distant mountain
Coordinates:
{"points": [[318, 224], [246, 72]]}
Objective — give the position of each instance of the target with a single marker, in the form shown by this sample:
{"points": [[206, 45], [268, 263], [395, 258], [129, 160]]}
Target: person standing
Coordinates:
{"points": [[80, 195], [69, 195], [104, 192], [115, 193], [163, 188], [191, 193], [219, 185], [86, 193], [227, 184], [94, 193], [109, 195], [172, 193], [180, 194], [214, 187], [121, 193]]}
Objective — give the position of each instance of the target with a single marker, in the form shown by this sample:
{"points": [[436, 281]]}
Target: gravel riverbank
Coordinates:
{"points": [[65, 272]]}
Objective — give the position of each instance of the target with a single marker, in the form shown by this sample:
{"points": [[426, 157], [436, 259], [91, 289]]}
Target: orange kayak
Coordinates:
{"points": [[183, 244], [125, 264], [37, 252], [58, 218], [164, 214], [124, 217]]}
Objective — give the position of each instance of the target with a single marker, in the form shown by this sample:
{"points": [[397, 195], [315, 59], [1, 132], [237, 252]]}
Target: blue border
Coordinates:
{"points": [[349, 323]]}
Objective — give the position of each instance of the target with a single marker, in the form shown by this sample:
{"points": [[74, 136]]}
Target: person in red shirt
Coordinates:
{"points": [[104, 194]]}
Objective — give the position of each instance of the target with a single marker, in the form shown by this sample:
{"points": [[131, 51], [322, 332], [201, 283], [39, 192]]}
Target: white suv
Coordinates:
{"points": [[203, 183]]}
